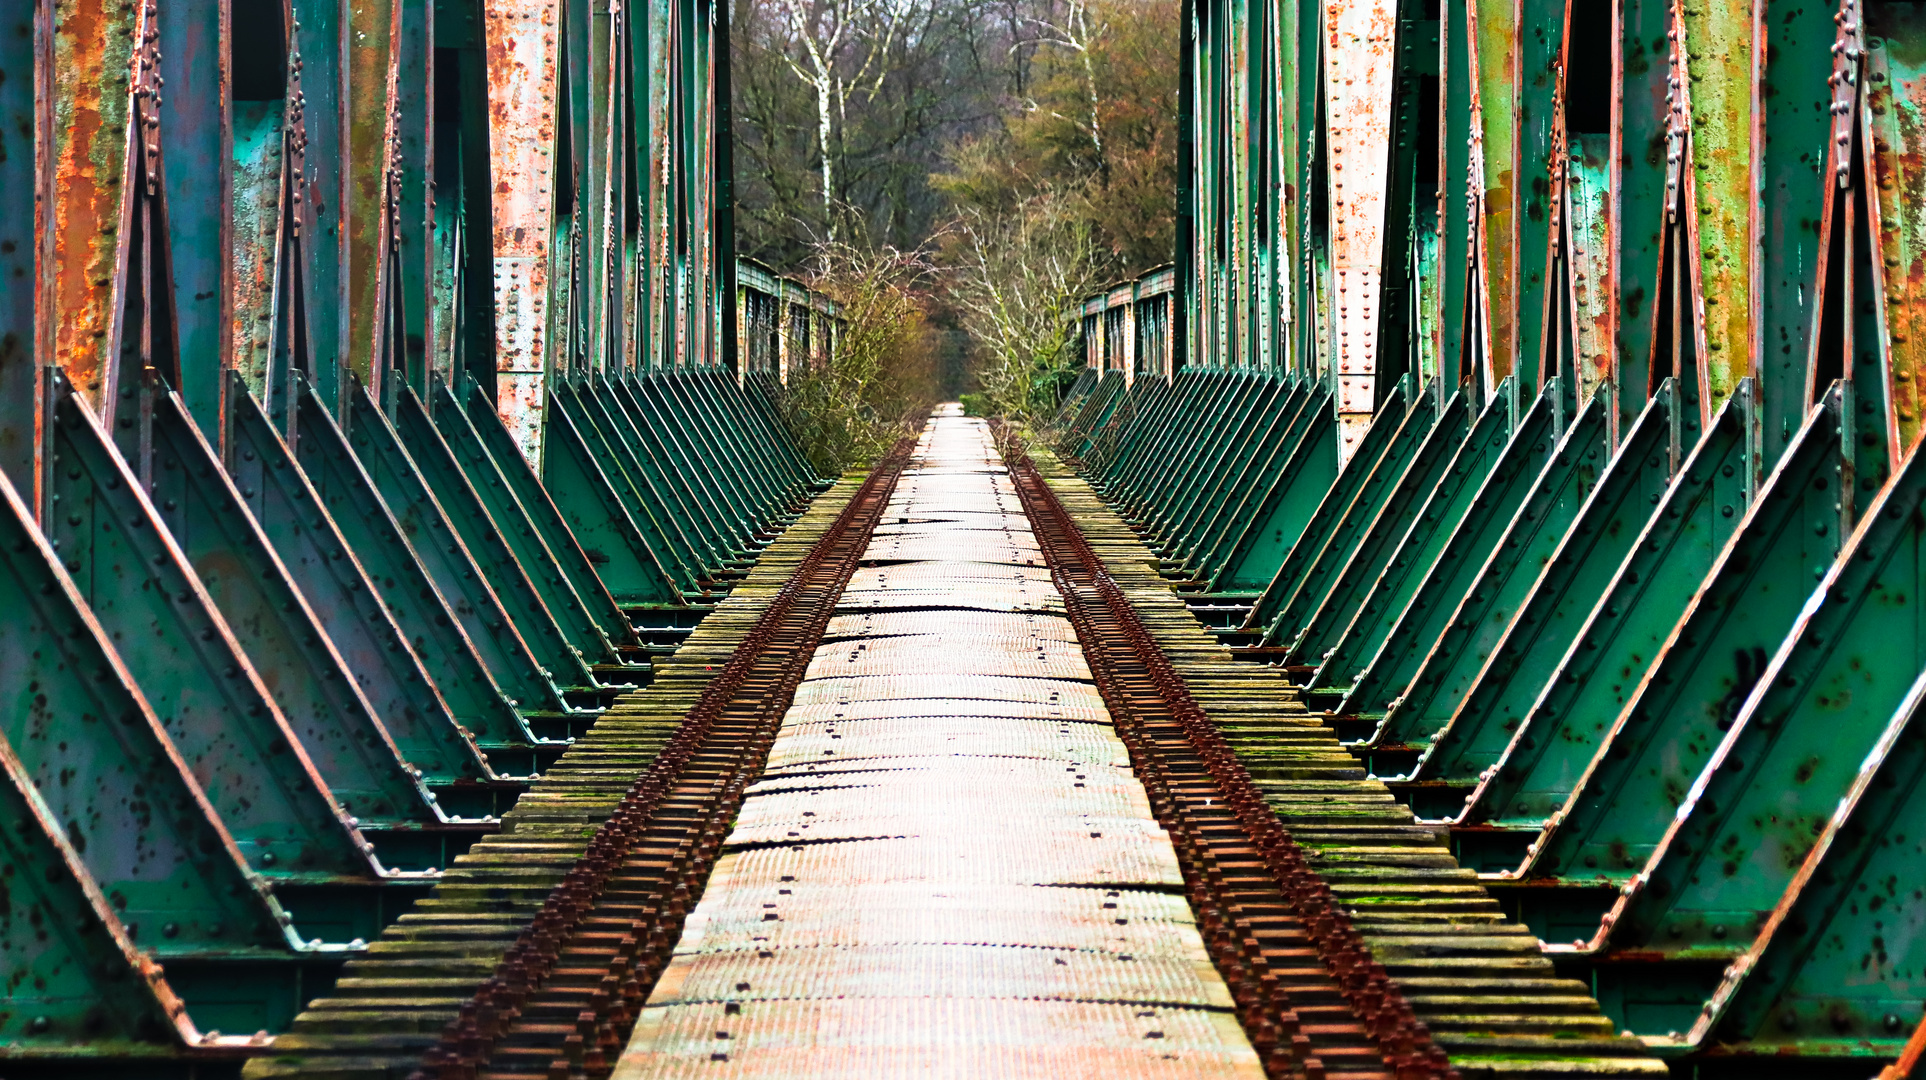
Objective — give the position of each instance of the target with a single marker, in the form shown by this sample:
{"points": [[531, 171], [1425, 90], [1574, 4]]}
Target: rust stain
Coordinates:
{"points": [[93, 43], [1359, 38], [370, 67], [521, 46], [1722, 184]]}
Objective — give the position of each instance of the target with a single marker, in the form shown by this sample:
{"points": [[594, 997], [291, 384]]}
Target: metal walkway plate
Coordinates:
{"points": [[947, 867]]}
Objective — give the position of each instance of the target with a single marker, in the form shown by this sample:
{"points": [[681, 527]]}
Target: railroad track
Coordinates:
{"points": [[1310, 996], [533, 955], [564, 999], [1353, 942]]}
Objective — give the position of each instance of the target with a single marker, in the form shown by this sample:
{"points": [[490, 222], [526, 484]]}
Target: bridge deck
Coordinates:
{"points": [[947, 867]]}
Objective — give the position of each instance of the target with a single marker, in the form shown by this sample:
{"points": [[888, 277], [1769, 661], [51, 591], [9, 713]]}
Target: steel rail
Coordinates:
{"points": [[563, 1000], [1307, 989]]}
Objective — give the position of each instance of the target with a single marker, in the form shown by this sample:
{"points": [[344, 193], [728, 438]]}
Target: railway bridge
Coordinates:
{"points": [[1465, 620]]}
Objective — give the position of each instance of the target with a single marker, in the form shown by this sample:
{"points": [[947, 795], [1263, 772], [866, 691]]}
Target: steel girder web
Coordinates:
{"points": [[1276, 502], [295, 518], [1348, 508], [393, 568], [1248, 477], [641, 487], [1599, 776], [517, 504], [1623, 599], [1111, 415], [81, 978], [1787, 762], [471, 566], [1166, 514], [1490, 564]]}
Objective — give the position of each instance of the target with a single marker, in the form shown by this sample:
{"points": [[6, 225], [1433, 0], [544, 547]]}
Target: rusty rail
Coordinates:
{"points": [[563, 1000], [1308, 992]]}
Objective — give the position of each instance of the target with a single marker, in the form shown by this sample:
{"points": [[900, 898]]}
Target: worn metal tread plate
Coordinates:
{"points": [[1477, 979], [947, 869]]}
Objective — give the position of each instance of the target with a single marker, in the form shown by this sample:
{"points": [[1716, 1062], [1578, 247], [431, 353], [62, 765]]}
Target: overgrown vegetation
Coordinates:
{"points": [[1017, 281], [1025, 150], [882, 375]]}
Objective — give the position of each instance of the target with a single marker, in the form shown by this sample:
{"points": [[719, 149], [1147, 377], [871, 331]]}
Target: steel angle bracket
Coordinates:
{"points": [[82, 992], [1130, 421], [1138, 426], [333, 576], [599, 520], [1270, 427], [1248, 431], [640, 484], [1443, 467], [1073, 398], [1183, 414], [729, 536], [689, 404], [1499, 735], [1105, 421], [1796, 751], [220, 718], [679, 409], [478, 594], [1192, 421], [1244, 547], [1084, 434], [108, 777], [1364, 478], [368, 771], [784, 459], [581, 448], [1633, 777], [1273, 424], [1446, 545], [1191, 447], [1479, 666], [718, 546], [1094, 406], [1830, 971], [738, 516], [1172, 508], [395, 571], [760, 408], [1491, 562], [647, 479], [462, 470], [744, 440]]}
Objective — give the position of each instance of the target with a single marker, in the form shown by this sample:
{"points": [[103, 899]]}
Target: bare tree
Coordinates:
{"points": [[1017, 281], [831, 35]]}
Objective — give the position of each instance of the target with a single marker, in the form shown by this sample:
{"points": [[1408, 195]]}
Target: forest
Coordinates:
{"points": [[958, 174]]}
